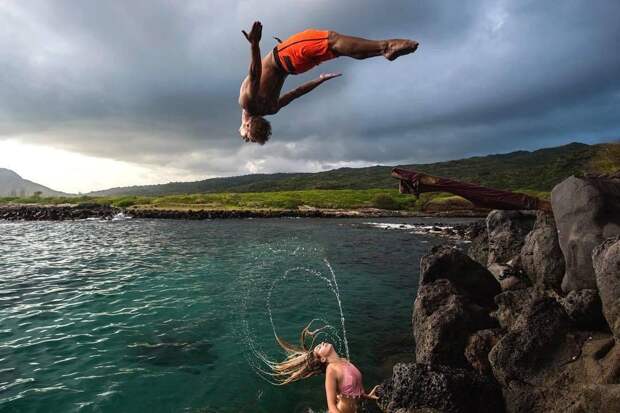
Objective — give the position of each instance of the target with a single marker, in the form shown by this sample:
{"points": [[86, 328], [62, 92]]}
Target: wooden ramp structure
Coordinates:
{"points": [[415, 183]]}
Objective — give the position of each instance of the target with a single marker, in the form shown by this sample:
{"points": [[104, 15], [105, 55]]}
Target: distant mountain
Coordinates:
{"points": [[522, 170], [11, 184]]}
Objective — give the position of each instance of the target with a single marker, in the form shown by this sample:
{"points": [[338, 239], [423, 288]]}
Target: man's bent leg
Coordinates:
{"points": [[359, 48], [355, 47]]}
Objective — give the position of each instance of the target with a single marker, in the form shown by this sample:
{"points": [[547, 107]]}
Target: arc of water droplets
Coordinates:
{"points": [[333, 331], [333, 285], [337, 291]]}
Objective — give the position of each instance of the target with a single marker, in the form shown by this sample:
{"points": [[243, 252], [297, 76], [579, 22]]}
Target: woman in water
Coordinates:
{"points": [[343, 381]]}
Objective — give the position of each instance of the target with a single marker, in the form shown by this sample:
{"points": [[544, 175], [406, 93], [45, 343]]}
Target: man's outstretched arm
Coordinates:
{"points": [[305, 88], [256, 64]]}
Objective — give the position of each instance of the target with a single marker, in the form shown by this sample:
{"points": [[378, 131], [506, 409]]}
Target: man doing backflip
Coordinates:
{"points": [[260, 90]]}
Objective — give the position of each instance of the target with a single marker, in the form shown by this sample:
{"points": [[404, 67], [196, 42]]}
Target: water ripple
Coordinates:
{"points": [[135, 315]]}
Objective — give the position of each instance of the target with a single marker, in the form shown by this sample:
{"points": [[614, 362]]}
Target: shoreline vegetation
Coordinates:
{"points": [[305, 203]]}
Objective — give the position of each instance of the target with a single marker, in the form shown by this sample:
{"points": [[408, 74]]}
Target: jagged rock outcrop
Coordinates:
{"points": [[506, 232], [445, 389], [606, 259], [541, 258], [479, 247], [586, 213], [443, 320], [508, 276], [549, 352], [453, 301], [570, 399], [526, 348], [478, 347], [468, 276], [512, 304], [584, 309], [578, 378]]}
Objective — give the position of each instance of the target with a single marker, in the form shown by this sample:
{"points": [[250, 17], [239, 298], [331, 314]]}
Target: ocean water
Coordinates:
{"points": [[178, 316]]}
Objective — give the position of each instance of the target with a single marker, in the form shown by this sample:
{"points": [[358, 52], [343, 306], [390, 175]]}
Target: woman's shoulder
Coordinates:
{"points": [[332, 372], [338, 367]]}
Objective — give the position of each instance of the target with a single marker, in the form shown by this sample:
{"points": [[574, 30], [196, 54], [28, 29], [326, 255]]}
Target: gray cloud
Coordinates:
{"points": [[156, 82]]}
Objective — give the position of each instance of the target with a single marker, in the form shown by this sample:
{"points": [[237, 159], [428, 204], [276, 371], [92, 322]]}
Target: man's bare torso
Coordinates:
{"points": [[271, 82]]}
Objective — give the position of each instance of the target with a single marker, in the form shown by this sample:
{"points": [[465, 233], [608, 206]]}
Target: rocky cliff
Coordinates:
{"points": [[529, 321]]}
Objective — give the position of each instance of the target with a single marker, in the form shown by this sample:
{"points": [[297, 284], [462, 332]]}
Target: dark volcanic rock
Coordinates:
{"points": [[90, 210], [468, 276], [446, 389], [606, 259], [526, 349], [541, 258], [478, 347], [520, 398], [592, 398], [56, 212], [586, 213], [579, 362], [584, 309], [506, 231], [479, 247], [509, 277], [581, 398], [511, 305], [443, 320]]}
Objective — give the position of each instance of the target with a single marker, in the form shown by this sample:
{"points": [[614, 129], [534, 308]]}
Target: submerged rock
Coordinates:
{"points": [[586, 213], [445, 389], [541, 258], [506, 231], [606, 258]]}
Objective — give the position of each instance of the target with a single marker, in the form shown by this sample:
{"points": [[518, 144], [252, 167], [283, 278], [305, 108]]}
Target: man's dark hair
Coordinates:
{"points": [[260, 130]]}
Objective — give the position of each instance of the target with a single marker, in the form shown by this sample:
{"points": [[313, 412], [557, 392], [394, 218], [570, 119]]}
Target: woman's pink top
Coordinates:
{"points": [[351, 383]]}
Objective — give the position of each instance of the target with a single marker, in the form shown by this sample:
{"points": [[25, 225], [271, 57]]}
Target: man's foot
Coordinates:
{"points": [[399, 47]]}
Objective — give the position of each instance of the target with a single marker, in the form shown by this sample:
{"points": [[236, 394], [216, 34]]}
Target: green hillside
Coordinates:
{"points": [[522, 170]]}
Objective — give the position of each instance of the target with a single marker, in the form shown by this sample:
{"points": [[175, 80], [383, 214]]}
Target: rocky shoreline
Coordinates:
{"points": [[83, 211], [56, 212], [527, 320]]}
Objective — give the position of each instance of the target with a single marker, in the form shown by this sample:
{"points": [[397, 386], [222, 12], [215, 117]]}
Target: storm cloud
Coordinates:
{"points": [[156, 82]]}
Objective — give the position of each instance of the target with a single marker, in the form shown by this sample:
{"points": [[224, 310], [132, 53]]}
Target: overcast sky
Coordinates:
{"points": [[95, 94]]}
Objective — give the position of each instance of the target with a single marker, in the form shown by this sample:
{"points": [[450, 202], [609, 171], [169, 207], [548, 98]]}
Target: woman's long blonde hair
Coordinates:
{"points": [[300, 362]]}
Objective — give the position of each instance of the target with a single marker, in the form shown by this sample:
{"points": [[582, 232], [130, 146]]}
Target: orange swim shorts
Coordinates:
{"points": [[302, 51]]}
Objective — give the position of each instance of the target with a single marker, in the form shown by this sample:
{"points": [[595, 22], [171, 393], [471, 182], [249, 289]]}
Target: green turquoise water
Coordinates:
{"points": [[172, 316]]}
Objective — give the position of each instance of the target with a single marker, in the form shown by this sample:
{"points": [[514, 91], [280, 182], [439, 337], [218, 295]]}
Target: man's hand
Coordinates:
{"points": [[327, 76], [255, 33]]}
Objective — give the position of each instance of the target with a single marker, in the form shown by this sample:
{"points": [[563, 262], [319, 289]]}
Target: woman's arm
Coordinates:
{"points": [[331, 390]]}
